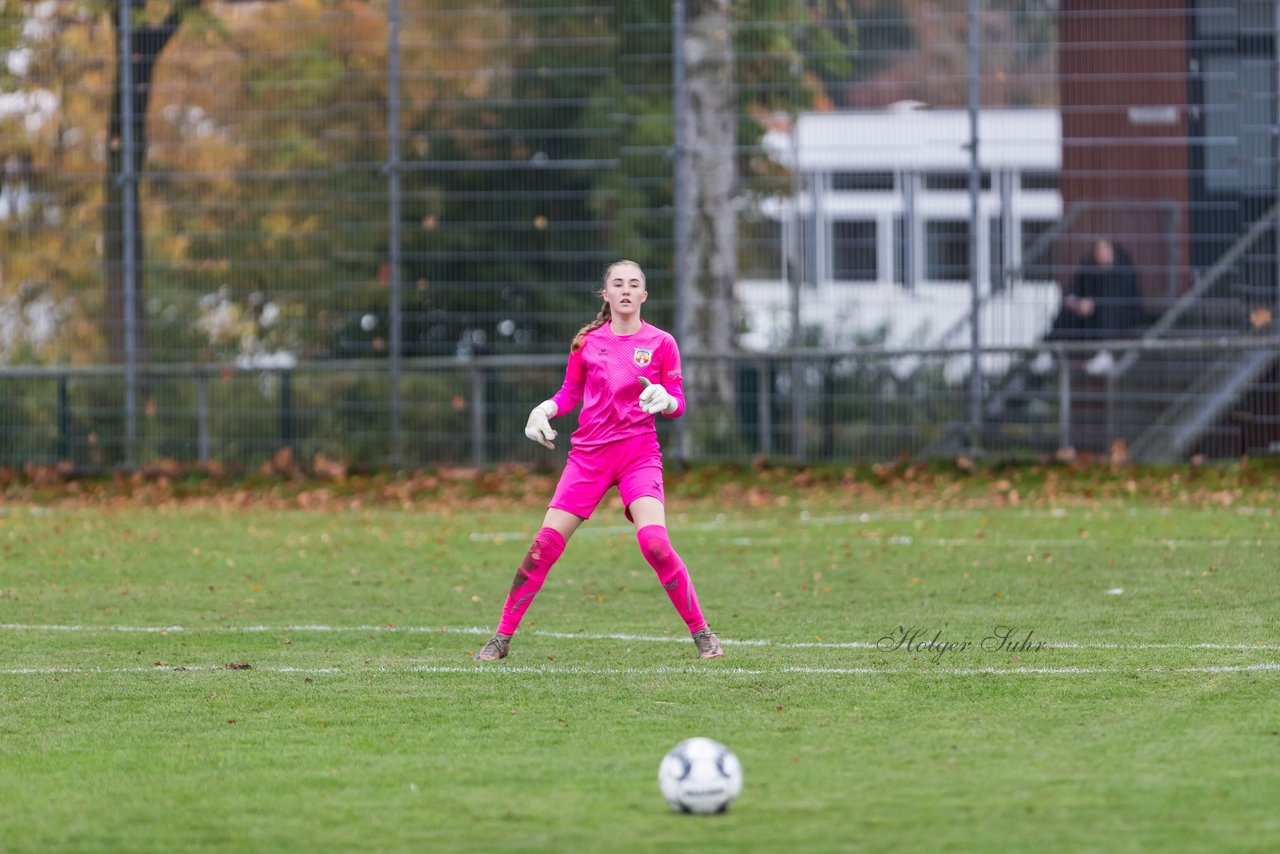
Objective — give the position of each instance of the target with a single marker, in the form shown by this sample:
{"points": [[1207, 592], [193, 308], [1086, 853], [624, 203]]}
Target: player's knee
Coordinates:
{"points": [[546, 540], [655, 552], [655, 547]]}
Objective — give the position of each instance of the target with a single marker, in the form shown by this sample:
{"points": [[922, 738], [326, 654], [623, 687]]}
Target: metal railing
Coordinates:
{"points": [[855, 405], [1038, 255]]}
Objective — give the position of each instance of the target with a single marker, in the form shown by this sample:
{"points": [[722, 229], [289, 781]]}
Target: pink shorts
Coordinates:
{"points": [[633, 465]]}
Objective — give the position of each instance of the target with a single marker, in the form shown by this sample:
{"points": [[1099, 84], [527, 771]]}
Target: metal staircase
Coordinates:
{"points": [[1165, 399], [1194, 412], [1170, 389]]}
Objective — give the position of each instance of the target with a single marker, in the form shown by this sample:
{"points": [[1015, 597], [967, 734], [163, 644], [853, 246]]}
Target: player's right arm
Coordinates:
{"points": [[575, 381], [538, 427]]}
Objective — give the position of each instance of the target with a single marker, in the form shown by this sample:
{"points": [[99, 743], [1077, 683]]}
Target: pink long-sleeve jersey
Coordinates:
{"points": [[604, 375]]}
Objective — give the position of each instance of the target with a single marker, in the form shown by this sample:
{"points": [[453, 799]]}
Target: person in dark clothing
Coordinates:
{"points": [[1101, 303]]}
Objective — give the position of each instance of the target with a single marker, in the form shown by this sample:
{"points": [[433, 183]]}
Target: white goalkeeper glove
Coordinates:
{"points": [[655, 399], [538, 427]]}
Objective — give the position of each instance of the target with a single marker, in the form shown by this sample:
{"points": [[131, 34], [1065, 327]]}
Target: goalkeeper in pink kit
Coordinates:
{"points": [[624, 372]]}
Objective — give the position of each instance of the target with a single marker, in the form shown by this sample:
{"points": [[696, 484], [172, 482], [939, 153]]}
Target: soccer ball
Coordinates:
{"points": [[700, 775]]}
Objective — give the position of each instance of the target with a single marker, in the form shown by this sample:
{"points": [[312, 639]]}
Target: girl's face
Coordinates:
{"points": [[624, 290]]}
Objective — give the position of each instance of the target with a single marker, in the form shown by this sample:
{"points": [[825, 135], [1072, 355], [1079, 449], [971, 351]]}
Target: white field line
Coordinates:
{"points": [[1111, 507], [625, 638], [553, 670], [1066, 542], [723, 522], [910, 539]]}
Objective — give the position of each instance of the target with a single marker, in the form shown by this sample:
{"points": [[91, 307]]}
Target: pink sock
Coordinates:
{"points": [[547, 547], [656, 548]]}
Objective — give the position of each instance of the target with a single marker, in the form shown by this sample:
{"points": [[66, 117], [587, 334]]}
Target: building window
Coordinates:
{"points": [[760, 248], [1238, 122], [1039, 180], [1036, 265], [995, 250], [946, 250], [901, 263], [853, 251], [953, 181], [862, 181]]}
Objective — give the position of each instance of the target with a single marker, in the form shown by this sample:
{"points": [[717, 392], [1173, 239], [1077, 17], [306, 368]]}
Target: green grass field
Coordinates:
{"points": [[262, 679]]}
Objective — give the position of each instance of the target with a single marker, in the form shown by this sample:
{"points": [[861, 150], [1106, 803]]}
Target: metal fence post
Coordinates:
{"points": [[1064, 400], [477, 416], [64, 418], [681, 200], [764, 406], [827, 407], [1110, 389], [286, 409], [129, 201], [202, 417], [799, 404], [975, 190], [395, 360]]}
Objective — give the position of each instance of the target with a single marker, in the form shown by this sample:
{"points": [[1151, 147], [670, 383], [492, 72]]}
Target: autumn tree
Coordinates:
{"points": [[744, 63], [51, 113]]}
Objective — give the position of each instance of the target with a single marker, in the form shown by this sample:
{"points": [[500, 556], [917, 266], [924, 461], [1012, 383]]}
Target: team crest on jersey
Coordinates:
{"points": [[642, 356]]}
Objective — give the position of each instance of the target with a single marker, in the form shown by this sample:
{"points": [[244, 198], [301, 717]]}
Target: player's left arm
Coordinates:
{"points": [[665, 397]]}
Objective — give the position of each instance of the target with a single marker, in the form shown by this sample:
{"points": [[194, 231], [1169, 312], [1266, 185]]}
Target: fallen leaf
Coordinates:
{"points": [[1119, 452]]}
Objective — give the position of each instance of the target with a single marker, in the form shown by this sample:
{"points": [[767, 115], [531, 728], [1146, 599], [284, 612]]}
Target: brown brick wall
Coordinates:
{"points": [[1115, 55]]}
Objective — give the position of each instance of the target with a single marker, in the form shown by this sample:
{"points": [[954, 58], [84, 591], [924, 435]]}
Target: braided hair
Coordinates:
{"points": [[605, 315]]}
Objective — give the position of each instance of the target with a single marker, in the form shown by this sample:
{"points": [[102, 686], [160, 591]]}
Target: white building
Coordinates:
{"points": [[883, 223]]}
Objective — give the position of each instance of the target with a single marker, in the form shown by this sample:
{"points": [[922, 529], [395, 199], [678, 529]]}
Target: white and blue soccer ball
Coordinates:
{"points": [[700, 775]]}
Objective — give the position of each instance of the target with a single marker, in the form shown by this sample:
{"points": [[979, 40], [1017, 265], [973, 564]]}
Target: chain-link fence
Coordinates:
{"points": [[878, 227]]}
